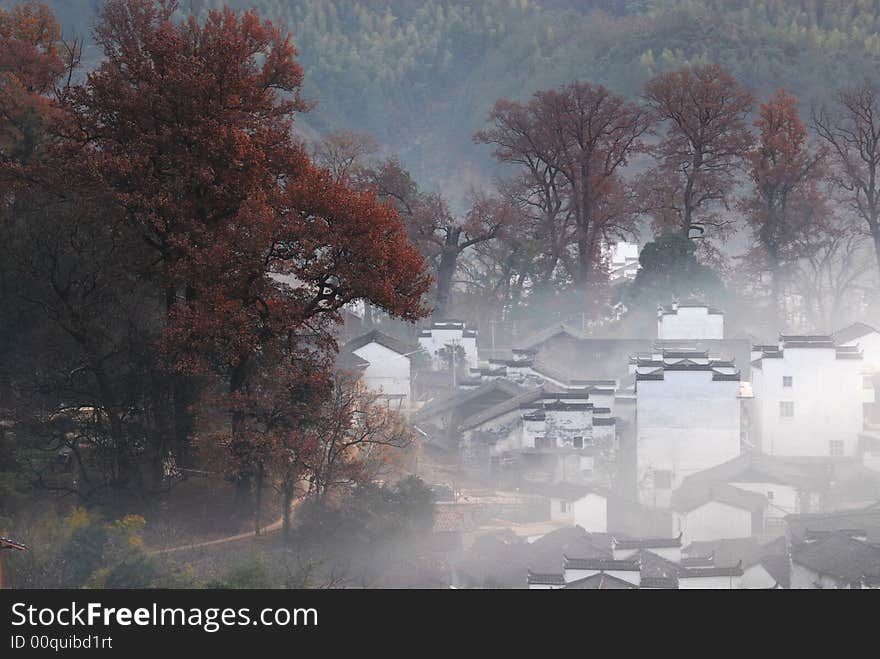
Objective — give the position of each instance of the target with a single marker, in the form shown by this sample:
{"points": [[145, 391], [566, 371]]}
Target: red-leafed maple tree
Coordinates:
{"points": [[572, 143], [704, 110], [188, 125], [786, 207], [30, 66]]}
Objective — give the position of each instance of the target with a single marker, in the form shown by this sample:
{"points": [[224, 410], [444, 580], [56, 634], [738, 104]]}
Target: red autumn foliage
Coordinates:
{"points": [[186, 129], [29, 68], [704, 109], [786, 208], [572, 143]]}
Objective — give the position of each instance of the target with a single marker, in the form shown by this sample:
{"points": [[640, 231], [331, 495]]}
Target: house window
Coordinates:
{"points": [[769, 496], [578, 442], [563, 507], [836, 447], [663, 479], [786, 408], [787, 381]]}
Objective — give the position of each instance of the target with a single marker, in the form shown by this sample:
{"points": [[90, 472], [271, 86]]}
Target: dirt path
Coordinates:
{"points": [[269, 528]]}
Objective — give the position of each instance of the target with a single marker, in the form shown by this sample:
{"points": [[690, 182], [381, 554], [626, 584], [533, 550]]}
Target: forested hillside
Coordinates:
{"points": [[421, 76]]}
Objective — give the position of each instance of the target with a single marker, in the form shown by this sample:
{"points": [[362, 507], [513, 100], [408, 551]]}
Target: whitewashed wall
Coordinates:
{"points": [[690, 323], [710, 583], [714, 521], [685, 423], [591, 513], [870, 346], [757, 576], [388, 371], [828, 397], [440, 338]]}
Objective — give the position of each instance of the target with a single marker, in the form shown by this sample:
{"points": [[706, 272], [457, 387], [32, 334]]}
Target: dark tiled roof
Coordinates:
{"points": [[654, 566], [597, 384], [647, 543], [698, 561], [724, 551], [500, 409], [544, 335], [685, 499], [715, 571], [600, 581], [375, 336], [840, 557], [853, 332], [601, 564], [511, 363], [778, 567], [666, 583], [754, 467], [867, 519], [348, 361], [454, 399], [546, 579]]}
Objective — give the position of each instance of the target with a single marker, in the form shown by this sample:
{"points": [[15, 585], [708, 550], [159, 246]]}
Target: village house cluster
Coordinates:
{"points": [[686, 460]]}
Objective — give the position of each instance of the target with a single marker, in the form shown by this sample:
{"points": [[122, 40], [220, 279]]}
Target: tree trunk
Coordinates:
{"points": [[240, 446], [875, 234], [258, 504], [445, 273], [286, 503]]}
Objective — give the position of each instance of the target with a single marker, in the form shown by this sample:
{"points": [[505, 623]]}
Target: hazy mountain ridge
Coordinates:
{"points": [[421, 75]]}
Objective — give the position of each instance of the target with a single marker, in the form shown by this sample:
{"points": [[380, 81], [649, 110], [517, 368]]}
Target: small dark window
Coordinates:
{"points": [[786, 409], [787, 381], [578, 442]]}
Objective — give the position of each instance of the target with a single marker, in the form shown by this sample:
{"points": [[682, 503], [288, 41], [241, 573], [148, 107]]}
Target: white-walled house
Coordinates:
{"points": [[765, 565], [688, 418], [653, 563], [689, 322], [579, 505], [623, 261], [628, 548], [389, 366], [628, 570], [808, 397], [866, 339], [547, 436], [722, 511], [437, 340]]}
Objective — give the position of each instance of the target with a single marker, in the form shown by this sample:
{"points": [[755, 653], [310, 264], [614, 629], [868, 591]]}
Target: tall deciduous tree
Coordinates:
{"points": [[440, 236], [852, 131], [704, 110], [187, 126], [344, 153], [786, 207], [573, 142], [30, 66]]}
